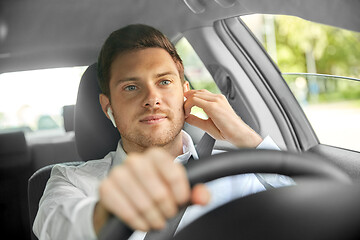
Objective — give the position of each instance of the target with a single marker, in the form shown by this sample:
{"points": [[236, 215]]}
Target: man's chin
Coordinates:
{"points": [[158, 138]]}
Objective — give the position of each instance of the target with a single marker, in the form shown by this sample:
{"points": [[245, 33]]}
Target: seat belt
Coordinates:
{"points": [[261, 179], [203, 148]]}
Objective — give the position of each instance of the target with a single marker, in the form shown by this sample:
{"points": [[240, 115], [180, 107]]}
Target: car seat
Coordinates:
{"points": [[95, 136], [69, 117], [15, 169], [55, 149]]}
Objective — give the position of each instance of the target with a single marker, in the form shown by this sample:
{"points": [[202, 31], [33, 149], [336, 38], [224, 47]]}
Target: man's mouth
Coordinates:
{"points": [[153, 119]]}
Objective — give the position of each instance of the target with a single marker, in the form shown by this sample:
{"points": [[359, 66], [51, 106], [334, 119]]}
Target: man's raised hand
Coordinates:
{"points": [[223, 123]]}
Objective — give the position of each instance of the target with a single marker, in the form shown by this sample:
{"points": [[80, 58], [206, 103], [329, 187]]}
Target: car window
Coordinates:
{"points": [[35, 102], [195, 72], [321, 66]]}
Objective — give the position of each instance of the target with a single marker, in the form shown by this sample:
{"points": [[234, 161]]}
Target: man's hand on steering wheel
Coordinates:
{"points": [[146, 190], [291, 164]]}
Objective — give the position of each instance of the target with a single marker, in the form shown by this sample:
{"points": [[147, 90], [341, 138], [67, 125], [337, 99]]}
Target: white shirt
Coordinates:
{"points": [[67, 205]]}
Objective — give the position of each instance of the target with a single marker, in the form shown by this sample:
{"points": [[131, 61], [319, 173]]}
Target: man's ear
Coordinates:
{"points": [[186, 86], [105, 103]]}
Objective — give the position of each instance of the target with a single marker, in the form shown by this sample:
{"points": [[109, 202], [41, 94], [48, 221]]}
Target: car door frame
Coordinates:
{"points": [[261, 97], [267, 78]]}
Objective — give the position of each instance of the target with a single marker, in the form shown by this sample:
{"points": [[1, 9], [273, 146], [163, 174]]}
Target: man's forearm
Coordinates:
{"points": [[65, 212]]}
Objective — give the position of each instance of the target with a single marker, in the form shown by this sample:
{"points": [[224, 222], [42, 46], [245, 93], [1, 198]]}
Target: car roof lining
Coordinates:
{"points": [[52, 33]]}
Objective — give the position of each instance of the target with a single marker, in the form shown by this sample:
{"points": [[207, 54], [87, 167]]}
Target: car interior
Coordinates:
{"points": [[42, 34]]}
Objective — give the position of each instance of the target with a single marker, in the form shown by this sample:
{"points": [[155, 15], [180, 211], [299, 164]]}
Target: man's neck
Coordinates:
{"points": [[174, 148]]}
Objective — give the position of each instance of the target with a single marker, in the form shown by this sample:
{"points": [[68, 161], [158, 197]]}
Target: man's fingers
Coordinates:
{"points": [[134, 191], [154, 185], [197, 122], [174, 175], [229, 126], [211, 103], [203, 94], [120, 206], [147, 189], [200, 195], [206, 125], [158, 191], [194, 101]]}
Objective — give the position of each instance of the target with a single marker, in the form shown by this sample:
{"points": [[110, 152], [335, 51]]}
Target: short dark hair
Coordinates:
{"points": [[132, 37]]}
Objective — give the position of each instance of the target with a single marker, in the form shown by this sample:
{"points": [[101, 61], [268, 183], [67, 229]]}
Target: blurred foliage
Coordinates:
{"points": [[336, 51], [195, 71], [303, 46], [323, 89]]}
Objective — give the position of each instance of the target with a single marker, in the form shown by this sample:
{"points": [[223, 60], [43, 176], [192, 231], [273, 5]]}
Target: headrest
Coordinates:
{"points": [[94, 134], [14, 151], [68, 116]]}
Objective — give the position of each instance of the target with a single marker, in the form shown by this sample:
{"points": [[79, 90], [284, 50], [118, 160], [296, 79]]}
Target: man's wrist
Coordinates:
{"points": [[100, 217], [251, 140], [246, 137]]}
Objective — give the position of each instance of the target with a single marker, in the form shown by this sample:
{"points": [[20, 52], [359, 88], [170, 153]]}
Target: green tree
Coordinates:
{"points": [[335, 51]]}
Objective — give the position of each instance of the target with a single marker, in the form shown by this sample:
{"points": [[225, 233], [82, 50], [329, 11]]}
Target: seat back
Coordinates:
{"points": [[36, 187], [15, 169], [95, 136]]}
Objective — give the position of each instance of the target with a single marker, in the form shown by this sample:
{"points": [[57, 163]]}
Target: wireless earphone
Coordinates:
{"points": [[111, 116]]}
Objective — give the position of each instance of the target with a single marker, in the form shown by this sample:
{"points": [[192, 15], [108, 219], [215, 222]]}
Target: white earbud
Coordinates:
{"points": [[111, 116]]}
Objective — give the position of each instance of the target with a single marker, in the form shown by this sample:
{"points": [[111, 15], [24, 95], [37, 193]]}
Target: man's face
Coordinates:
{"points": [[147, 97]]}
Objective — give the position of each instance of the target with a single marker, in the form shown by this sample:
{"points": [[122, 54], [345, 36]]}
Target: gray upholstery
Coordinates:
{"points": [[13, 150], [54, 150], [15, 167], [36, 187], [68, 116], [94, 133], [95, 137]]}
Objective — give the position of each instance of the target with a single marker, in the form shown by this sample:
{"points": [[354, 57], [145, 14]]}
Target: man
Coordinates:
{"points": [[142, 80]]}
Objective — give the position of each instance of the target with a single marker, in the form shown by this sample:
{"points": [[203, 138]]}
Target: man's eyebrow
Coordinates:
{"points": [[158, 75], [129, 79], [165, 74]]}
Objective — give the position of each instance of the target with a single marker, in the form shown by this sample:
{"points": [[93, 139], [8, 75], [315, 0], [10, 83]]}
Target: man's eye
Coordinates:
{"points": [[165, 82], [130, 88]]}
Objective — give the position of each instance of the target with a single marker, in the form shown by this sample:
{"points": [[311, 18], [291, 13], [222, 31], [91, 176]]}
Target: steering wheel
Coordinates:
{"points": [[307, 166]]}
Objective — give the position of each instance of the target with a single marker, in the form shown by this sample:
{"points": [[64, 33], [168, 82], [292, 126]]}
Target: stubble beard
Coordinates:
{"points": [[157, 139]]}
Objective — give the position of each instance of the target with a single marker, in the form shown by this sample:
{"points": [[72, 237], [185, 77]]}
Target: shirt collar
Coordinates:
{"points": [[188, 151]]}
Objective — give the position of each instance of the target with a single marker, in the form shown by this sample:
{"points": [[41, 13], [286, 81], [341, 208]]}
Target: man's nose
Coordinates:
{"points": [[152, 98]]}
